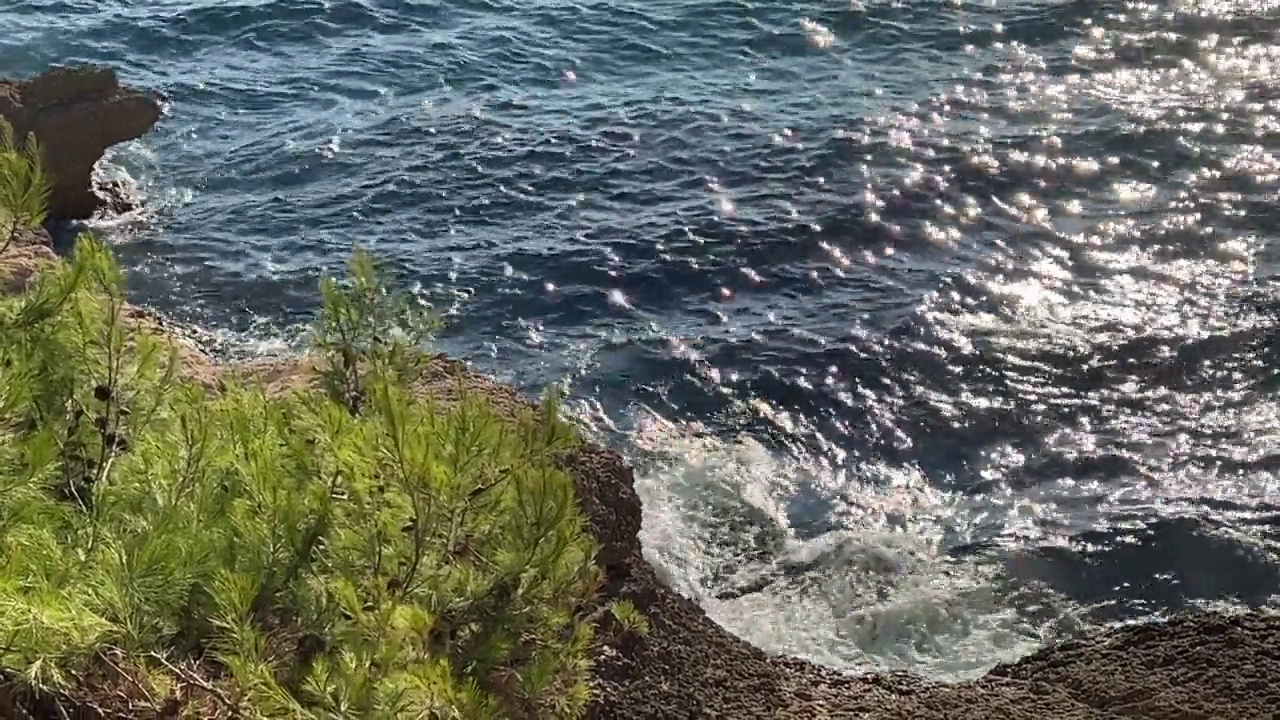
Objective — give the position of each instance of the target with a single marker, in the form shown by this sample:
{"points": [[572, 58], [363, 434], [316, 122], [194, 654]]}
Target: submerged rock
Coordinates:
{"points": [[76, 113]]}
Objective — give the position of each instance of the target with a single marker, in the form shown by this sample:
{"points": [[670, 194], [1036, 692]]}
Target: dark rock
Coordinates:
{"points": [[76, 113]]}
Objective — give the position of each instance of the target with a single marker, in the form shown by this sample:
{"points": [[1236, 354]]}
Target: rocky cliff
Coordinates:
{"points": [[1205, 666], [76, 113]]}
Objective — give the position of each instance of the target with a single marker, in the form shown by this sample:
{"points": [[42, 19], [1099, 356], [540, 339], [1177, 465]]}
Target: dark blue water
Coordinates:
{"points": [[937, 331]]}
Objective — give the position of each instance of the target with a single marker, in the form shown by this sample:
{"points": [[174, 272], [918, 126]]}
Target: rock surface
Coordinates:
{"points": [[76, 113], [1210, 667]]}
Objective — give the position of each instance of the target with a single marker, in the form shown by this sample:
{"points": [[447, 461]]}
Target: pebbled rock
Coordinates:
{"points": [[76, 113]]}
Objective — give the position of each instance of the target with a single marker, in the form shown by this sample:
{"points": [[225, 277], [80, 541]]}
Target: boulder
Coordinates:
{"points": [[76, 113]]}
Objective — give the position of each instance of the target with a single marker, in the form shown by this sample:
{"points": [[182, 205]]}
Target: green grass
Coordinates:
{"points": [[358, 552]]}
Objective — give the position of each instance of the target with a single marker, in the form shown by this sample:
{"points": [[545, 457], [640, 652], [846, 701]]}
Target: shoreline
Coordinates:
{"points": [[1192, 666]]}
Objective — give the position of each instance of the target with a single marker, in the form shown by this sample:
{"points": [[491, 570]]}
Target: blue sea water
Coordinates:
{"points": [[936, 330]]}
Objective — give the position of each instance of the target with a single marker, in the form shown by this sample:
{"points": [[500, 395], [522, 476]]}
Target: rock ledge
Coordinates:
{"points": [[76, 113]]}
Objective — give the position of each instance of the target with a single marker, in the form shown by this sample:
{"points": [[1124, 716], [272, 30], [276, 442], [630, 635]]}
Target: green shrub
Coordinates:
{"points": [[24, 187], [363, 552]]}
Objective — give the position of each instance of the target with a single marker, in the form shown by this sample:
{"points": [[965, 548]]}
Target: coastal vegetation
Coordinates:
{"points": [[358, 551]]}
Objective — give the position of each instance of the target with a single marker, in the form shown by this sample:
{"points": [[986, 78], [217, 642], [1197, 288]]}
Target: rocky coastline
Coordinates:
{"points": [[1193, 666]]}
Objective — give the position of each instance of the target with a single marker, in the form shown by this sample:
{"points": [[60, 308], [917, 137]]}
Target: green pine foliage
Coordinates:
{"points": [[24, 187], [358, 553]]}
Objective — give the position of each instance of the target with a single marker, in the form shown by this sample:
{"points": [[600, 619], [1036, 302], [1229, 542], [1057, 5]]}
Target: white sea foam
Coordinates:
{"points": [[879, 593], [817, 34]]}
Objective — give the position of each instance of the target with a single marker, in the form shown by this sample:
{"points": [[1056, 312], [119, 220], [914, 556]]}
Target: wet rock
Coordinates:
{"points": [[76, 113]]}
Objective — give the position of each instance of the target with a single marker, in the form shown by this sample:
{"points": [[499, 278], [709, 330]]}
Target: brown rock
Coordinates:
{"points": [[76, 113], [23, 259]]}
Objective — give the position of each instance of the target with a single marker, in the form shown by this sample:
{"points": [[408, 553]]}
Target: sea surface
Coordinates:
{"points": [[936, 331]]}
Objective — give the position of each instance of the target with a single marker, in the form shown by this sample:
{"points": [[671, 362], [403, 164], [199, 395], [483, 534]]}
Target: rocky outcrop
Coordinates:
{"points": [[1204, 667], [76, 113]]}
